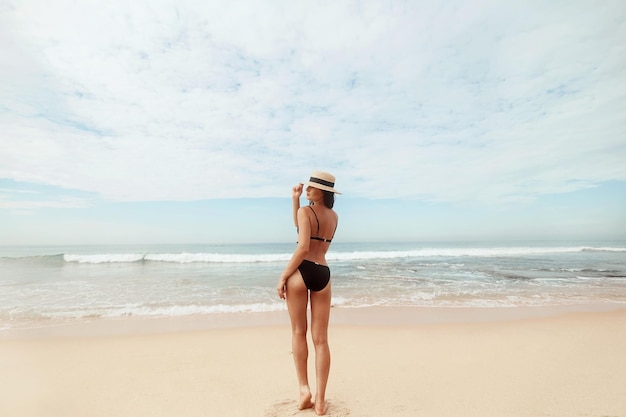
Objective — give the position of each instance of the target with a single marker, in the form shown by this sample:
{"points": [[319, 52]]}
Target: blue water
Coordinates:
{"points": [[44, 284]]}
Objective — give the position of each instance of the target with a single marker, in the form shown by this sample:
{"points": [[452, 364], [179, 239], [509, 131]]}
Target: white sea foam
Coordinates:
{"points": [[187, 310], [103, 258], [216, 257], [464, 252], [185, 257], [176, 258]]}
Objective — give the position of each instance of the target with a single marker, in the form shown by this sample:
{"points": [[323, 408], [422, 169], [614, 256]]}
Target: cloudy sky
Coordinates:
{"points": [[189, 121]]}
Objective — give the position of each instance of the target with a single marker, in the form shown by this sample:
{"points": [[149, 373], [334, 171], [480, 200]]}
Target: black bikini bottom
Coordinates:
{"points": [[315, 276]]}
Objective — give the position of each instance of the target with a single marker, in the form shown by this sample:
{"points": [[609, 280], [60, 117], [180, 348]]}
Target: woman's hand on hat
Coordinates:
{"points": [[296, 191]]}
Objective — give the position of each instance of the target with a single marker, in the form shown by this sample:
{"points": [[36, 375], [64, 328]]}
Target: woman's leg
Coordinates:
{"points": [[297, 300], [320, 313]]}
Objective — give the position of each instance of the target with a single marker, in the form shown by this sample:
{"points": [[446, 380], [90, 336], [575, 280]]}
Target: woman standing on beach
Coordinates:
{"points": [[307, 272]]}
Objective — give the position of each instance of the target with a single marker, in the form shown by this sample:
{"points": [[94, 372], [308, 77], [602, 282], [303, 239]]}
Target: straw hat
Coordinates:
{"points": [[323, 181]]}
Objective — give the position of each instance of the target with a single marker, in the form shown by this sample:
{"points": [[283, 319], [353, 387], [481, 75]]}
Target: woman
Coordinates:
{"points": [[307, 272]]}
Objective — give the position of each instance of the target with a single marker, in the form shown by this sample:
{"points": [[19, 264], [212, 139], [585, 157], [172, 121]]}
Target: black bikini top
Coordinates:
{"points": [[317, 237]]}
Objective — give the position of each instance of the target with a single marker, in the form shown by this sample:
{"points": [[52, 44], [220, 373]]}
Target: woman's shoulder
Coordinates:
{"points": [[305, 211]]}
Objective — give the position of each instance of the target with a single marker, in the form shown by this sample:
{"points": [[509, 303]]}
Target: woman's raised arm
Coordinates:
{"points": [[296, 192]]}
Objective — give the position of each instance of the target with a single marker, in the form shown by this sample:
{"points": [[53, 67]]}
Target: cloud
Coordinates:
{"points": [[26, 198], [453, 101], [30, 205]]}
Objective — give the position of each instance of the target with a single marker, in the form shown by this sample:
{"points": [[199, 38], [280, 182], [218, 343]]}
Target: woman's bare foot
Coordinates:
{"points": [[321, 407], [305, 399]]}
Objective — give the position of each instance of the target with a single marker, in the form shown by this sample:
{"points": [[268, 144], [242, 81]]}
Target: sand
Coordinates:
{"points": [[503, 364]]}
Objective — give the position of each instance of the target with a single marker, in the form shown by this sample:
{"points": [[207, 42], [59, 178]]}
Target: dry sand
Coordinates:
{"points": [[568, 365]]}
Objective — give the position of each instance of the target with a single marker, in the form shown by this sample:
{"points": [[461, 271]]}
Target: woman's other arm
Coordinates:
{"points": [[304, 240]]}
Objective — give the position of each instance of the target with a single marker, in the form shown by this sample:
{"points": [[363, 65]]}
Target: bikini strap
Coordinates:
{"points": [[317, 220]]}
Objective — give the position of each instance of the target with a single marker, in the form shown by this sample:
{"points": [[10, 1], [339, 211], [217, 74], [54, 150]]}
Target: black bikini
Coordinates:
{"points": [[315, 276]]}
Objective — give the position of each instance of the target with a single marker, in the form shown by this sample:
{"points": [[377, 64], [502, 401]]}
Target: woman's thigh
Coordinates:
{"points": [[320, 314], [297, 301]]}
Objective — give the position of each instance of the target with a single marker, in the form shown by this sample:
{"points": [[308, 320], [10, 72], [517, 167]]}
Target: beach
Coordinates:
{"points": [[455, 329], [409, 362]]}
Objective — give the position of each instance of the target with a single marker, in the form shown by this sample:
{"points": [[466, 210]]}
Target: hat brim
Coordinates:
{"points": [[321, 187]]}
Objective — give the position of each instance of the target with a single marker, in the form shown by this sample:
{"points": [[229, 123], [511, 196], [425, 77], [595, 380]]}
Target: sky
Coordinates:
{"points": [[170, 121]]}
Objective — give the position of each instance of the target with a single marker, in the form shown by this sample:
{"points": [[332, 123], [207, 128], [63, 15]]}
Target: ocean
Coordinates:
{"points": [[41, 286]]}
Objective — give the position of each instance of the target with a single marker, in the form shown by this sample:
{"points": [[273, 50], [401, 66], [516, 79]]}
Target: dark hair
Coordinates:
{"points": [[329, 199]]}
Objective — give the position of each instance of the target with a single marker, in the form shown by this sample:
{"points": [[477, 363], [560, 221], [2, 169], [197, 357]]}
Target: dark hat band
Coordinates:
{"points": [[322, 182]]}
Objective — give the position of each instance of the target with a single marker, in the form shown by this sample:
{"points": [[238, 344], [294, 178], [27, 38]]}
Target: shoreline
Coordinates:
{"points": [[569, 364], [362, 316]]}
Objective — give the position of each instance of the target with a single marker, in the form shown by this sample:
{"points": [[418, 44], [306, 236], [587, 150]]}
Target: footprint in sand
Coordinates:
{"points": [[282, 408], [290, 408]]}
